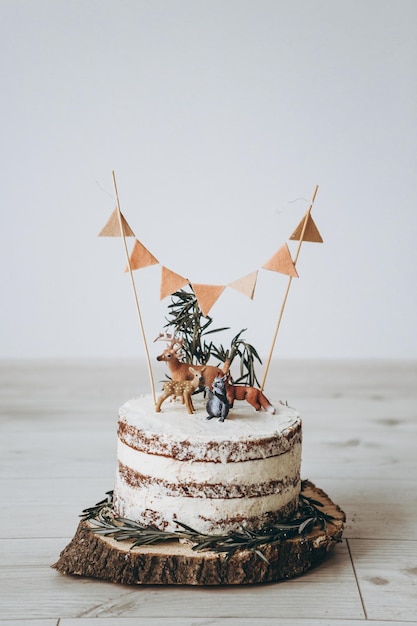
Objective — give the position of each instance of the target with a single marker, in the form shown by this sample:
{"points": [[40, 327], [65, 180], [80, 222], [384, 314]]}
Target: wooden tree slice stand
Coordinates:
{"points": [[175, 563]]}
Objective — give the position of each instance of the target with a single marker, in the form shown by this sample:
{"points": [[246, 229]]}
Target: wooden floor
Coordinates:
{"points": [[58, 455]]}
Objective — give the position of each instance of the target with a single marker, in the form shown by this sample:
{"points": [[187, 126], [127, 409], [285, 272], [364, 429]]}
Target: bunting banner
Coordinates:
{"points": [[311, 232], [112, 227], [246, 284], [141, 257], [281, 262], [171, 282], [207, 295]]}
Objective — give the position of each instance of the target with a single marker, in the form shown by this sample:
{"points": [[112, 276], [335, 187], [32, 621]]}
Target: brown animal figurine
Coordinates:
{"points": [[254, 396], [182, 371], [183, 388]]}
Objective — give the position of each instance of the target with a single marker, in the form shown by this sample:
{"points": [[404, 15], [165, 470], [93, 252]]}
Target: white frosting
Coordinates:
{"points": [[243, 422], [239, 473], [181, 472], [201, 514]]}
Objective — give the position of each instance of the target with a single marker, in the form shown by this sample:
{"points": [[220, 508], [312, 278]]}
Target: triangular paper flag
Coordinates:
{"points": [[207, 295], [246, 284], [112, 227], [281, 262], [171, 282], [311, 232], [141, 257]]}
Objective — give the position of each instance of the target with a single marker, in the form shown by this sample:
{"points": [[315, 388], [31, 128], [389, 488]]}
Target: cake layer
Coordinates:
{"points": [[245, 434], [213, 476], [205, 515], [207, 479]]}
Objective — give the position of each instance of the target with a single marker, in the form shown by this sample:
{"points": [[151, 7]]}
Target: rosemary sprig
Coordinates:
{"points": [[309, 515], [94, 512], [187, 321]]}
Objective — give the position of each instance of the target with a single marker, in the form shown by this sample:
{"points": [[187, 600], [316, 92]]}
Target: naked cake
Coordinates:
{"points": [[175, 467], [197, 500]]}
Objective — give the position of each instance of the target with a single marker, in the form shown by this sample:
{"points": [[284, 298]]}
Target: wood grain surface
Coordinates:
{"points": [[58, 456]]}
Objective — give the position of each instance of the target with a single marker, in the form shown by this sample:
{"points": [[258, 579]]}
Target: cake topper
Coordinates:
{"points": [[253, 396], [181, 370], [207, 295], [217, 403], [183, 388]]}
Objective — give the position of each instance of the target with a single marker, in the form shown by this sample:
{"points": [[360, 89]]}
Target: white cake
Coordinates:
{"points": [[212, 476]]}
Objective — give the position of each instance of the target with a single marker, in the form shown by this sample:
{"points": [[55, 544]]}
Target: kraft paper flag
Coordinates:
{"points": [[311, 232], [246, 284], [281, 262], [112, 227], [141, 257], [171, 282], [207, 295]]}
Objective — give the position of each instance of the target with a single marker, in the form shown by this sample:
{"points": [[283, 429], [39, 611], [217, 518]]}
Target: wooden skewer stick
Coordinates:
{"points": [[148, 360], [288, 288]]}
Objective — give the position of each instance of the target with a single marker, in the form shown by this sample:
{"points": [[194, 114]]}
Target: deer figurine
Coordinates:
{"points": [[182, 371], [183, 388]]}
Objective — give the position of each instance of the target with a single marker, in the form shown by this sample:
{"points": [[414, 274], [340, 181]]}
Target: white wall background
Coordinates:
{"points": [[215, 116]]}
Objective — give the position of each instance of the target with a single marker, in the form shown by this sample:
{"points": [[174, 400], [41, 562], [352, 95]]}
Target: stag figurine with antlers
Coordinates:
{"points": [[181, 371]]}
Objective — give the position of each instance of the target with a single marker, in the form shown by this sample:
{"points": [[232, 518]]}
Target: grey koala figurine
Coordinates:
{"points": [[217, 403]]}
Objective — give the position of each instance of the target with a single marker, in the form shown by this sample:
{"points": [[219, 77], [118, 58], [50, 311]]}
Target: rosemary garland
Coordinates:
{"points": [[309, 515]]}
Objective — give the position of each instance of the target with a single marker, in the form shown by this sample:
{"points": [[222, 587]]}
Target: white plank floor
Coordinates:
{"points": [[58, 454]]}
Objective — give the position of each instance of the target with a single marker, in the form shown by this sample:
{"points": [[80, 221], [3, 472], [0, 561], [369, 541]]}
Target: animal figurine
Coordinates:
{"points": [[180, 370], [254, 396], [183, 388], [217, 403]]}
